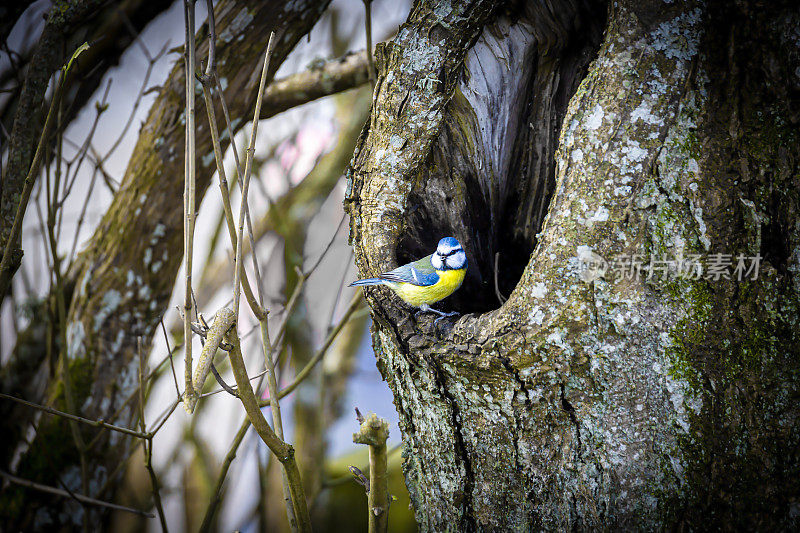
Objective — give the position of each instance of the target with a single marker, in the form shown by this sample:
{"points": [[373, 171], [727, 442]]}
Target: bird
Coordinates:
{"points": [[428, 280]]}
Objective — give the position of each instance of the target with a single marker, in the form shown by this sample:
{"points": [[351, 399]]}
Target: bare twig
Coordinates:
{"points": [[227, 388], [216, 495], [56, 412], [148, 443], [206, 80], [171, 362], [309, 366], [294, 299], [142, 91], [189, 194], [502, 299], [228, 123], [359, 477], [211, 65], [244, 213], [258, 311], [368, 24], [340, 288], [149, 377], [248, 163], [328, 246], [66, 378], [81, 498], [164, 417], [341, 480], [79, 158]]}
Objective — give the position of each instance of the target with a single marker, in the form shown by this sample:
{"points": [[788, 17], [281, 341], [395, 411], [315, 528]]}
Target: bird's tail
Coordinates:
{"points": [[367, 281]]}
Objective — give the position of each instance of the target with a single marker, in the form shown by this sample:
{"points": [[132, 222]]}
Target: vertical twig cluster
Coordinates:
{"points": [[227, 320], [11, 254], [223, 333]]}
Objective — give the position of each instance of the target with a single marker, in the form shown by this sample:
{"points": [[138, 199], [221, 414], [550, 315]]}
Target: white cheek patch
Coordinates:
{"points": [[436, 261], [457, 260]]}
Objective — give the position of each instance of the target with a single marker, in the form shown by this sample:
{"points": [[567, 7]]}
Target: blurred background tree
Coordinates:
{"points": [[102, 252]]}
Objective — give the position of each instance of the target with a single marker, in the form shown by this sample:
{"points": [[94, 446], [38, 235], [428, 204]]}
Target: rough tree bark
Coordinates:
{"points": [[654, 403], [123, 280]]}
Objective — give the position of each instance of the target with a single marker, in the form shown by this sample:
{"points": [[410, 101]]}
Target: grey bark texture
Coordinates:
{"points": [[560, 131]]}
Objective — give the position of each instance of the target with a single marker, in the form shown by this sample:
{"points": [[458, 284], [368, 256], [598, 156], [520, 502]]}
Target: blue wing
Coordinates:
{"points": [[420, 273]]}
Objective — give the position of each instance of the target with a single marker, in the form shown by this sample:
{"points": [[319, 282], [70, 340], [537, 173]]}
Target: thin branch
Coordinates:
{"points": [[229, 457], [502, 299], [216, 495], [283, 452], [148, 443], [83, 151], [189, 194], [341, 480], [294, 299], [66, 378], [142, 91], [368, 24], [96, 423], [228, 124], [164, 417], [248, 163], [309, 366], [169, 354], [328, 246], [211, 66], [227, 388], [346, 269], [82, 217], [258, 311], [81, 498], [151, 376]]}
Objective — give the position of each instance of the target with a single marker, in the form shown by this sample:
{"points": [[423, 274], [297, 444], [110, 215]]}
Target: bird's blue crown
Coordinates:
{"points": [[447, 244]]}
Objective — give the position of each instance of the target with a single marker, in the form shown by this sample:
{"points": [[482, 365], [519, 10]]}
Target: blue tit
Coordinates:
{"points": [[428, 280]]}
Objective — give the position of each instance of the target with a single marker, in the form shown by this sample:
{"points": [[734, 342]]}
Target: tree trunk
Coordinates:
{"points": [[589, 399]]}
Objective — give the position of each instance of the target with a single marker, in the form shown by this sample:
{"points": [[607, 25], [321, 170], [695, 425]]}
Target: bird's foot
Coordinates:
{"points": [[443, 315], [426, 308]]}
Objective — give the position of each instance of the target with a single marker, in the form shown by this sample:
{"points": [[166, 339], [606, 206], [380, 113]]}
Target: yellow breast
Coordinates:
{"points": [[449, 281]]}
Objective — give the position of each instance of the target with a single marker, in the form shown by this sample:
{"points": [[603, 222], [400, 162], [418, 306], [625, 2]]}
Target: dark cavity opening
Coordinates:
{"points": [[500, 210]]}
